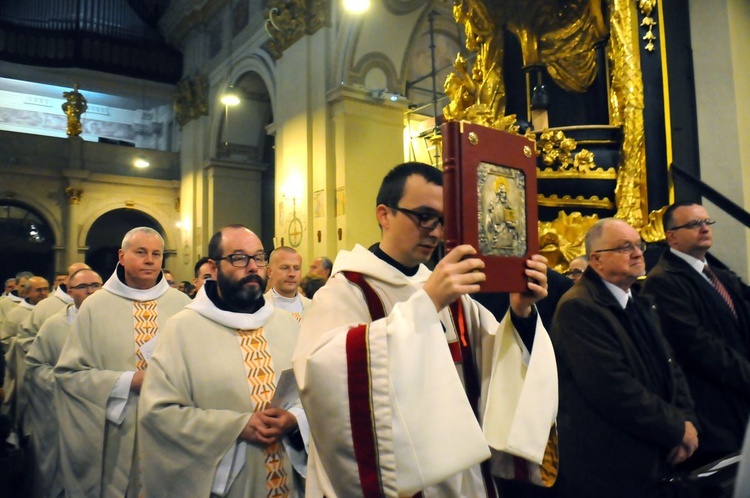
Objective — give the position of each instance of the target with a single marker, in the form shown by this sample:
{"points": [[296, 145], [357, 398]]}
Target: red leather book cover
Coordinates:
{"points": [[490, 200]]}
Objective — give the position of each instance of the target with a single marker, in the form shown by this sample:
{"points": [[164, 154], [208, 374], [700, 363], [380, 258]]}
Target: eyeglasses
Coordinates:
{"points": [[574, 273], [627, 248], [694, 224], [428, 221], [95, 285], [242, 260]]}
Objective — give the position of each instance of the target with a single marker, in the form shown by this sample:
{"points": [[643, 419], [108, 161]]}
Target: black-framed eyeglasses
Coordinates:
{"points": [[95, 285], [574, 273], [694, 224], [627, 248], [240, 260], [426, 220]]}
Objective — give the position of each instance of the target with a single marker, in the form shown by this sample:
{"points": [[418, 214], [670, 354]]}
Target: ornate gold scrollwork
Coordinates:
{"points": [[654, 231], [563, 41], [562, 239], [647, 7], [557, 149], [593, 202], [626, 107], [289, 20], [191, 99]]}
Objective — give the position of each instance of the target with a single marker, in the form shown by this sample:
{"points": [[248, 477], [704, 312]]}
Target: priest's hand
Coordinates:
{"points": [[137, 382], [268, 426], [455, 276], [536, 272]]}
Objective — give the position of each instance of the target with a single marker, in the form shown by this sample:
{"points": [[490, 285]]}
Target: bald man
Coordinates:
{"points": [[8, 302], [58, 300], [38, 289], [284, 275], [41, 387]]}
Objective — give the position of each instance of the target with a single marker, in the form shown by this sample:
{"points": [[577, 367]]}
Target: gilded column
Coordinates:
{"points": [[626, 106]]}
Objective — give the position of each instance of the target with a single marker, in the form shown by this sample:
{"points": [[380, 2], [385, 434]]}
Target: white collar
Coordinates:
{"points": [[14, 298], [363, 261], [118, 288], [694, 262], [203, 305], [70, 313], [620, 295], [281, 298], [62, 295], [25, 304]]}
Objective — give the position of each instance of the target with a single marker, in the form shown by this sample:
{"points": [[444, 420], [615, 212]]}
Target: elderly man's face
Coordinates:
{"points": [[38, 290], [617, 256]]}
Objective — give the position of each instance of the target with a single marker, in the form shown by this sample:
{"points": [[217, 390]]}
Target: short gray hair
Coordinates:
{"points": [[595, 233], [146, 230]]}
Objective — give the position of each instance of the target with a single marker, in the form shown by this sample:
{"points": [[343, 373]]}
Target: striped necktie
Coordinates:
{"points": [[720, 289]]}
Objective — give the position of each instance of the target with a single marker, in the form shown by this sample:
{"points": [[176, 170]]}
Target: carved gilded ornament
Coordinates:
{"points": [[626, 107], [74, 106], [74, 195], [191, 99], [563, 41], [654, 230], [289, 20], [562, 239], [647, 7]]}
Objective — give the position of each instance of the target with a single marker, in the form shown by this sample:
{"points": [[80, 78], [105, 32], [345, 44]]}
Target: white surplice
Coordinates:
{"points": [[425, 434]]}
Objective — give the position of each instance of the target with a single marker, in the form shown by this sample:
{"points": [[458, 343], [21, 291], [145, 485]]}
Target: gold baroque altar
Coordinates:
{"points": [[563, 42]]}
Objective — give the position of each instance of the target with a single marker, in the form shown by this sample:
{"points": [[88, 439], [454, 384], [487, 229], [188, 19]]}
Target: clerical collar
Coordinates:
{"points": [[116, 285], [409, 272]]}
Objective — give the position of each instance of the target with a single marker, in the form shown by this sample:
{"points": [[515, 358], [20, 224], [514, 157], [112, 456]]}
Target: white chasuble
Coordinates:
{"points": [[202, 387], [97, 454]]}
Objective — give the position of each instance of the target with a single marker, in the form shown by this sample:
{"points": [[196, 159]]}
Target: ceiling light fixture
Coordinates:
{"points": [[356, 6], [141, 162]]}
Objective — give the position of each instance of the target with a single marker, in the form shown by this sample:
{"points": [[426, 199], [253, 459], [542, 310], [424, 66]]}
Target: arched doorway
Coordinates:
{"points": [[243, 138], [105, 237], [26, 241]]}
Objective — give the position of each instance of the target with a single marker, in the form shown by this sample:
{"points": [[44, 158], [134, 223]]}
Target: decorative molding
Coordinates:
{"points": [[593, 202], [596, 174], [287, 21], [191, 99]]}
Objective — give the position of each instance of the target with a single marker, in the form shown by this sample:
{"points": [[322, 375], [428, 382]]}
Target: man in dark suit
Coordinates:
{"points": [[625, 410], [706, 320]]}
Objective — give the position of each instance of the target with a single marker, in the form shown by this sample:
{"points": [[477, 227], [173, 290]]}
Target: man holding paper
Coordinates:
{"points": [[102, 366], [219, 411], [405, 394]]}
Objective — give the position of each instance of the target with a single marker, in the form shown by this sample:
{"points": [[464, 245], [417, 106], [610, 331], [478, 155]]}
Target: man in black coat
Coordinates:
{"points": [[708, 326], [625, 410]]}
